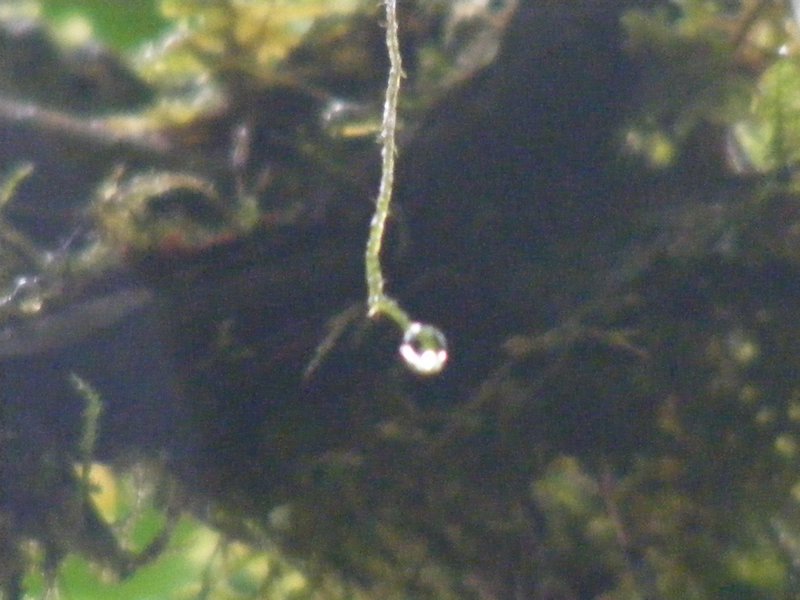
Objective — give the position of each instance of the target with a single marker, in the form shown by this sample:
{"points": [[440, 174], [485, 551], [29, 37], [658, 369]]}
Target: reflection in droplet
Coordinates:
{"points": [[26, 295], [424, 349]]}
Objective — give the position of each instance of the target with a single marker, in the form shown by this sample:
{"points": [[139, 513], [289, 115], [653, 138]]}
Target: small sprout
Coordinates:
{"points": [[424, 349]]}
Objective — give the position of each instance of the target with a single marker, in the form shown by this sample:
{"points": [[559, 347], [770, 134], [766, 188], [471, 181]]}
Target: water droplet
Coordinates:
{"points": [[26, 295], [424, 349]]}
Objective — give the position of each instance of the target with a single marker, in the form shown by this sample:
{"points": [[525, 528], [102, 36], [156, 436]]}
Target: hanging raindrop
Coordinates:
{"points": [[424, 349]]}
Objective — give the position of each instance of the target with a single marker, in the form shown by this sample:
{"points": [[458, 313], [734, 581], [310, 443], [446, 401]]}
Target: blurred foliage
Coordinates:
{"points": [[246, 113], [248, 38], [720, 65], [228, 117], [646, 447], [175, 555], [118, 24]]}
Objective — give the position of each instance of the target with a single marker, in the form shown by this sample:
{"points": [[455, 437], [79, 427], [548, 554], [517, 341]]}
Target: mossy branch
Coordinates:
{"points": [[375, 282], [424, 348]]}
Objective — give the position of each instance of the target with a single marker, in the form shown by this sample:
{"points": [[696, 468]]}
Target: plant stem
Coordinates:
{"points": [[377, 301], [423, 347]]}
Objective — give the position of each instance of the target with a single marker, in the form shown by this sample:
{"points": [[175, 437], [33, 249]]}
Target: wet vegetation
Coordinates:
{"points": [[597, 201]]}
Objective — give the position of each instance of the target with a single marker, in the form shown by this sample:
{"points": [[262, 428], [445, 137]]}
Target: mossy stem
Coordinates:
{"points": [[378, 303], [423, 347]]}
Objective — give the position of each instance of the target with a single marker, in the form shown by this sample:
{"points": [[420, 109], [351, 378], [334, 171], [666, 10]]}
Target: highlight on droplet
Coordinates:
{"points": [[424, 348]]}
